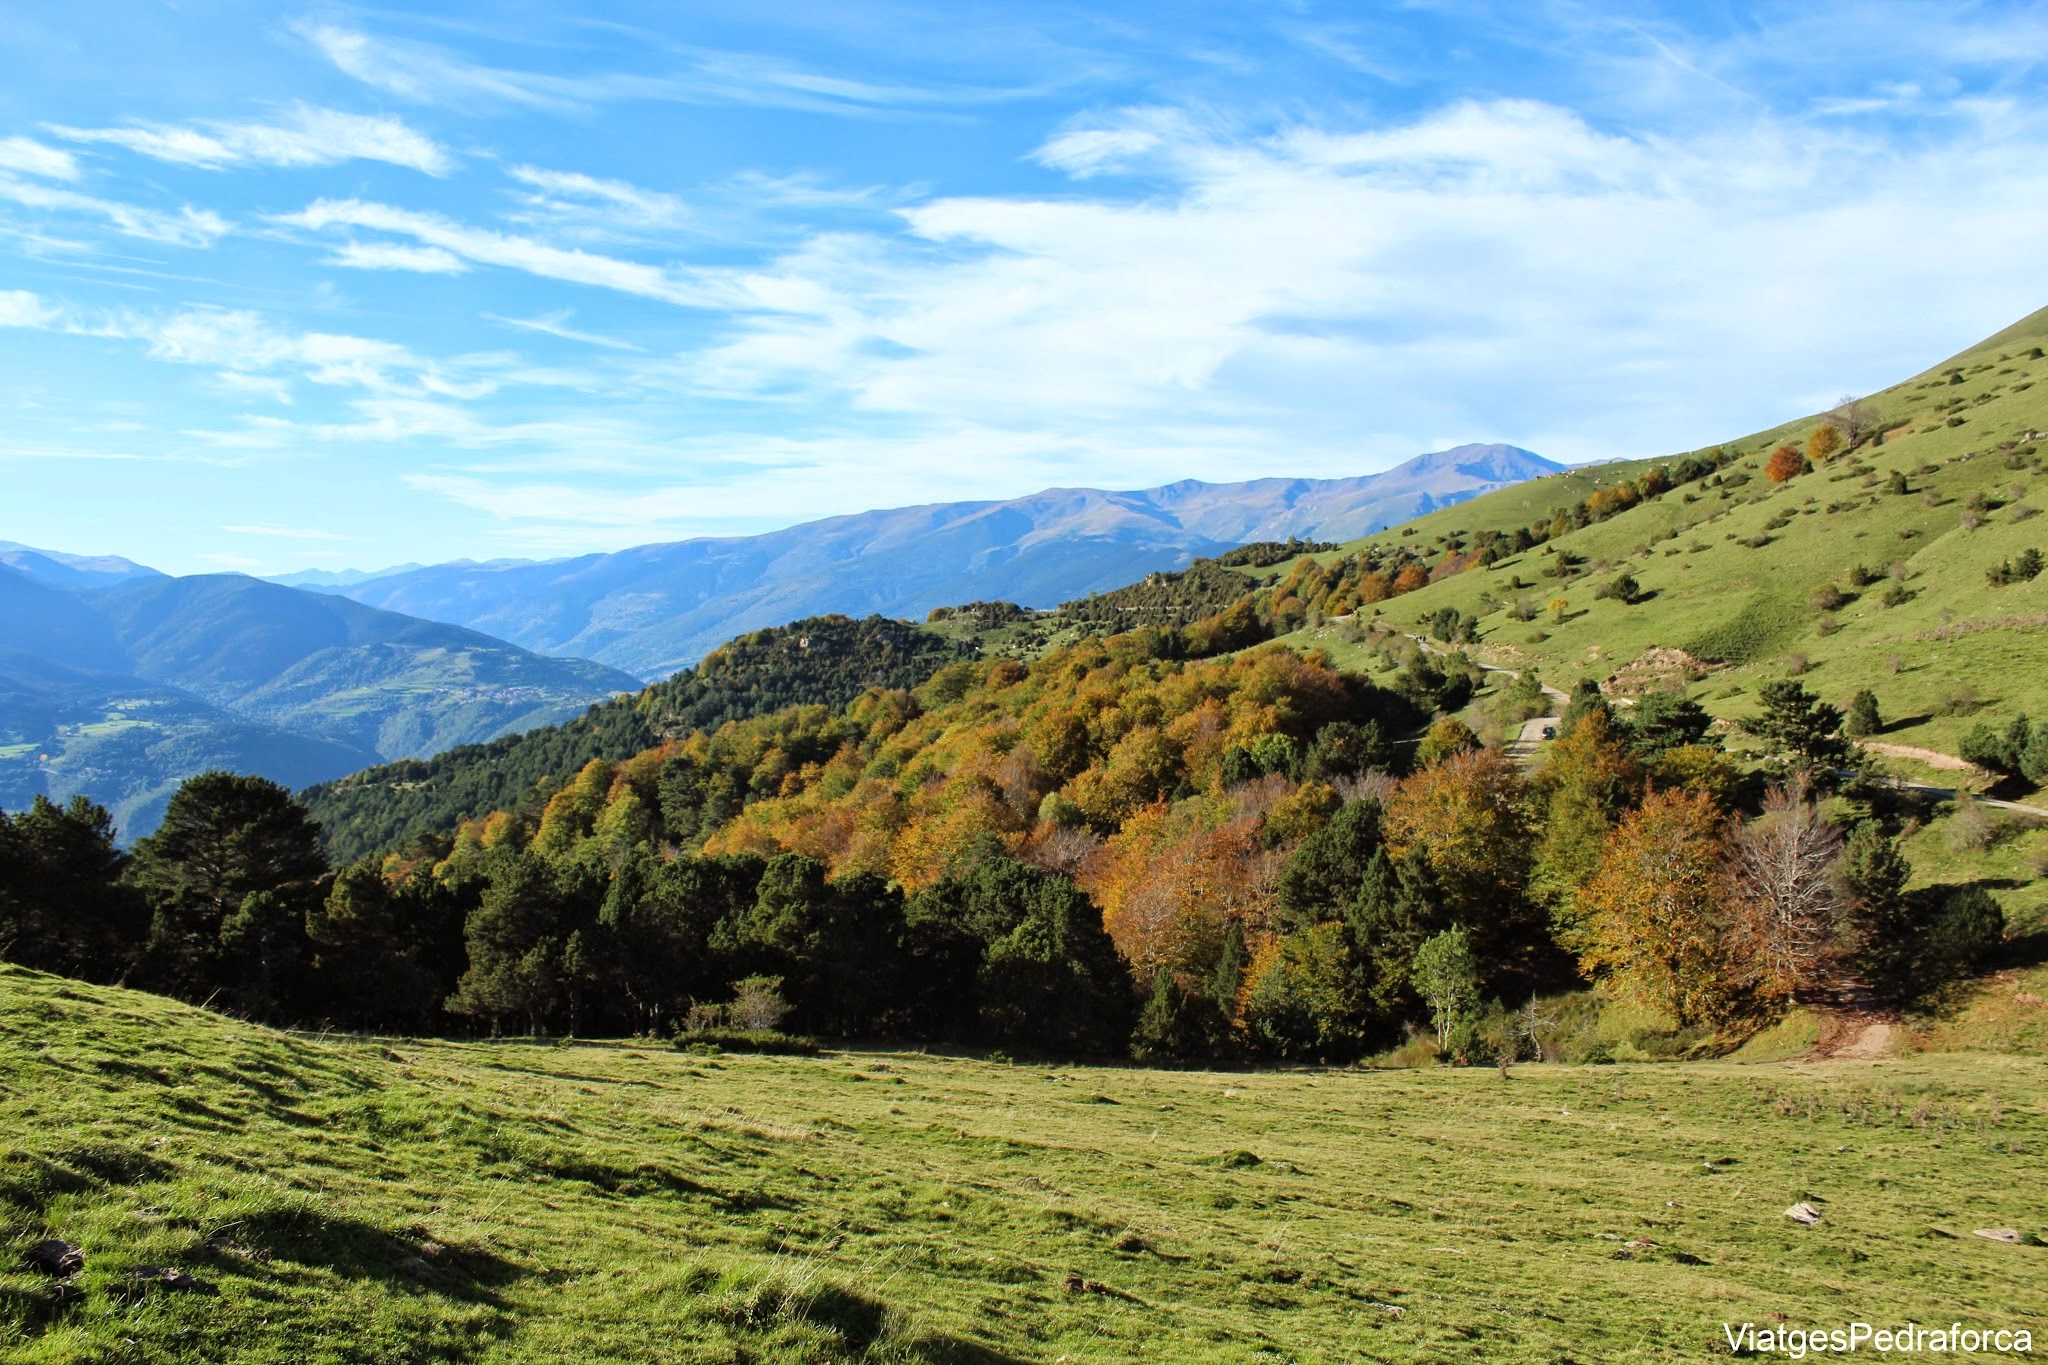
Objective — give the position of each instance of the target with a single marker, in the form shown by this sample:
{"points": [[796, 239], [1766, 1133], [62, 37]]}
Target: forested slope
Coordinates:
{"points": [[821, 661]]}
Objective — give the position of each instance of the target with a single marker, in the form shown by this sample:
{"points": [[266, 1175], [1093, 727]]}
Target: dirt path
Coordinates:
{"points": [[1867, 1046], [1524, 746], [1933, 758]]}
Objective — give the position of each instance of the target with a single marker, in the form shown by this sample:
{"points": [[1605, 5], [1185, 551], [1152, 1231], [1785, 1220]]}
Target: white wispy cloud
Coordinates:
{"points": [[302, 136], [556, 325], [429, 74], [571, 194], [251, 354], [1497, 267], [516, 251], [186, 226], [33, 158], [431, 260]]}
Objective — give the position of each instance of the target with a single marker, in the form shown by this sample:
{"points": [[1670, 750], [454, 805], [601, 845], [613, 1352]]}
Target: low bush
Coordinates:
{"points": [[711, 1042]]}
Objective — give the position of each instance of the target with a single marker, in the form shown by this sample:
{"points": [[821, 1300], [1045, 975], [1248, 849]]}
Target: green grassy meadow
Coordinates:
{"points": [[342, 1199], [1735, 569]]}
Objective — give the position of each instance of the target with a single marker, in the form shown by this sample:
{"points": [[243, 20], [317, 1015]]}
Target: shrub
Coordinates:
{"points": [[1958, 699], [1973, 829], [2025, 569], [1827, 597], [1897, 595], [1966, 928], [1828, 624], [1797, 664], [710, 1042], [2020, 750], [1622, 587], [1863, 719]]}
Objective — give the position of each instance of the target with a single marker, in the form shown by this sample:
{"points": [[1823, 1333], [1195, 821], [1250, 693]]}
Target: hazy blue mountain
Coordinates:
{"points": [[327, 579], [120, 691], [60, 570], [658, 608]]}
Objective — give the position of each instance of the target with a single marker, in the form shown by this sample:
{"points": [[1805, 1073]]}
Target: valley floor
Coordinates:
{"points": [[339, 1199]]}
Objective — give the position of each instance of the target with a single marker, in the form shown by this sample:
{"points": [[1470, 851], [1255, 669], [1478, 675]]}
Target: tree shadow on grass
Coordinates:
{"points": [[859, 1321], [31, 1180], [357, 1250]]}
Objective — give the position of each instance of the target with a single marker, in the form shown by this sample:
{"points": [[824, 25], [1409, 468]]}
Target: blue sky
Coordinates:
{"points": [[354, 286]]}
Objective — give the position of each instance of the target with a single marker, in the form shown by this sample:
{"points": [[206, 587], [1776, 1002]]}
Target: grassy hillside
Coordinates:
{"points": [[337, 1199], [1757, 580]]}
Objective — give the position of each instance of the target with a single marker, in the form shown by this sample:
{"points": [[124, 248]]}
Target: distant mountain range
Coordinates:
{"points": [[119, 681], [659, 608]]}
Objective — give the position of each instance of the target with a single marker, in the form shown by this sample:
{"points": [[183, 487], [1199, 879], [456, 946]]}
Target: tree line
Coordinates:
{"points": [[1103, 853]]}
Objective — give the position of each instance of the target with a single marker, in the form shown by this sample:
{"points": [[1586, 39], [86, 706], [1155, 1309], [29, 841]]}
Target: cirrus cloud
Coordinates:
{"points": [[303, 137]]}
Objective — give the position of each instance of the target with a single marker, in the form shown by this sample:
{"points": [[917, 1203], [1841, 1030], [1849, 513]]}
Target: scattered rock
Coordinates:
{"points": [[1803, 1213], [220, 1244], [1074, 1284], [2010, 1235], [1641, 1245], [1392, 1310], [168, 1278], [55, 1257]]}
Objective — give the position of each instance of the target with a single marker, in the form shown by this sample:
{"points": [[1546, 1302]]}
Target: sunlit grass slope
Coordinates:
{"points": [[348, 1200], [1734, 571]]}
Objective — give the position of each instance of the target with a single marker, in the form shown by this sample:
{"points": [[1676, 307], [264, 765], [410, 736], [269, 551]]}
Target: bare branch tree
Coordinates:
{"points": [[1856, 417], [1785, 901]]}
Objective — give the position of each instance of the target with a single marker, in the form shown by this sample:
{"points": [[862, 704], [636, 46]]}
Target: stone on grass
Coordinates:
{"points": [[1803, 1213], [55, 1257]]}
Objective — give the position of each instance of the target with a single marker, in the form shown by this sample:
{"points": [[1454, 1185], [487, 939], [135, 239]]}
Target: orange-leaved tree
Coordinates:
{"points": [[1785, 463], [1650, 922]]}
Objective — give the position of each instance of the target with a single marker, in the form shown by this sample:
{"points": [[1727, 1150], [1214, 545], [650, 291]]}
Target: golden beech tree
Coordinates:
{"points": [[1823, 444], [1586, 782], [1650, 920], [1468, 813]]}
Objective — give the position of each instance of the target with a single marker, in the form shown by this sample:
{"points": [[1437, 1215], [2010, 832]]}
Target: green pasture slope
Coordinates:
{"points": [[337, 1199], [1731, 573]]}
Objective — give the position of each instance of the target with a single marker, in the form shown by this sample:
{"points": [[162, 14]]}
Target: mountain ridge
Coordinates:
{"points": [[654, 609], [123, 689]]}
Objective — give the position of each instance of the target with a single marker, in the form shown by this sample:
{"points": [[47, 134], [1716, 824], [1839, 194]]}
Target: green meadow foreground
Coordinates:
{"points": [[340, 1199]]}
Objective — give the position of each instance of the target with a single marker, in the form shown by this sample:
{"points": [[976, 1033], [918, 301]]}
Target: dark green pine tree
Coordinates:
{"points": [[229, 876], [1799, 724], [63, 907]]}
